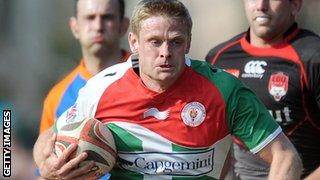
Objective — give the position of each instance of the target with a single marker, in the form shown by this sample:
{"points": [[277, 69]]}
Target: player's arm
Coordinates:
{"points": [[313, 73], [53, 167], [62, 167], [283, 158], [315, 175], [253, 124], [39, 146], [312, 68]]}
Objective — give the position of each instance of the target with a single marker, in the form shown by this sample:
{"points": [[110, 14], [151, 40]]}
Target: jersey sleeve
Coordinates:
{"points": [[89, 96], [84, 107], [313, 73], [249, 120]]}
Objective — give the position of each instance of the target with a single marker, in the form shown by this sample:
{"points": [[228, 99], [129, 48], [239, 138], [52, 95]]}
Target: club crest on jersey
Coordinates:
{"points": [[193, 114], [161, 115], [278, 85]]}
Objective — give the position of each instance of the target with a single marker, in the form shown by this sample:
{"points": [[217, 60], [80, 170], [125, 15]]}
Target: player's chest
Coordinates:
{"points": [[278, 83], [193, 116], [271, 77]]}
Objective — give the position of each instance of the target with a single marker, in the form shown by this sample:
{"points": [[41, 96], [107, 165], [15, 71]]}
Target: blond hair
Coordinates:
{"points": [[168, 8]]}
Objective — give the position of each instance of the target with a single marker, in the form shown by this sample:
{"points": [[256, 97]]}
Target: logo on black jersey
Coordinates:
{"points": [[282, 116], [278, 85], [254, 69]]}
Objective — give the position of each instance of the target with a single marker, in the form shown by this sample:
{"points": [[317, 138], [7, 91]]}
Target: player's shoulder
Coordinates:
{"points": [[110, 74], [106, 77], [310, 35], [307, 38], [226, 83], [307, 44], [213, 73], [223, 46]]}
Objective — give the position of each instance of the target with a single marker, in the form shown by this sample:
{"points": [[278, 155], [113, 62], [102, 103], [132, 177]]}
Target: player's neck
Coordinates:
{"points": [[97, 62], [264, 42], [158, 85], [154, 85], [271, 39]]}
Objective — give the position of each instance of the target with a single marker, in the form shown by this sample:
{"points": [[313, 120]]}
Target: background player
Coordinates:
{"points": [[281, 63]]}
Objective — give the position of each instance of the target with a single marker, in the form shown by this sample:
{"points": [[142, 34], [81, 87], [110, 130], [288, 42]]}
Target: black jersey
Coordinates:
{"points": [[286, 77]]}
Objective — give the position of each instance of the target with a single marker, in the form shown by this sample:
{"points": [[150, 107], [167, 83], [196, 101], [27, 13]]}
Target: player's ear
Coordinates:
{"points": [[188, 44], [124, 26], [74, 27], [133, 42], [295, 7]]}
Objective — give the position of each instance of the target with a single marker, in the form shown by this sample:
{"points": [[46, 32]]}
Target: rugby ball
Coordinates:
{"points": [[92, 137]]}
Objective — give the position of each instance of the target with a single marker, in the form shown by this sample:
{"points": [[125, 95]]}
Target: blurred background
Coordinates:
{"points": [[37, 49]]}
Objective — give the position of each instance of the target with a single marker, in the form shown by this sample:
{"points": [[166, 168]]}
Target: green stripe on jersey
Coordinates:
{"points": [[121, 136], [155, 157], [177, 148], [247, 117], [119, 174]]}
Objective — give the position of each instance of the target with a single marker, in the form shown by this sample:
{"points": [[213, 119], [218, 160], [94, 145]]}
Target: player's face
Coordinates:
{"points": [[269, 19], [161, 45], [98, 25]]}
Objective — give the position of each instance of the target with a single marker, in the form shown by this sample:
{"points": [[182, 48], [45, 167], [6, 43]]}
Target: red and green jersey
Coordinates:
{"points": [[177, 133]]}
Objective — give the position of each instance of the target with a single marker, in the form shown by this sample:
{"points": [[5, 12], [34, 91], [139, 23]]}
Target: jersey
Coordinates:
{"points": [[64, 94], [286, 78], [174, 134]]}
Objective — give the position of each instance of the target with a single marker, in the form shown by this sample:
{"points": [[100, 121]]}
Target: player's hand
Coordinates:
{"points": [[53, 167]]}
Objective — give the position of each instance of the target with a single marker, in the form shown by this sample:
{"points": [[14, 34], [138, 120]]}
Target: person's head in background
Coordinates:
{"points": [[161, 35], [99, 25], [270, 19]]}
